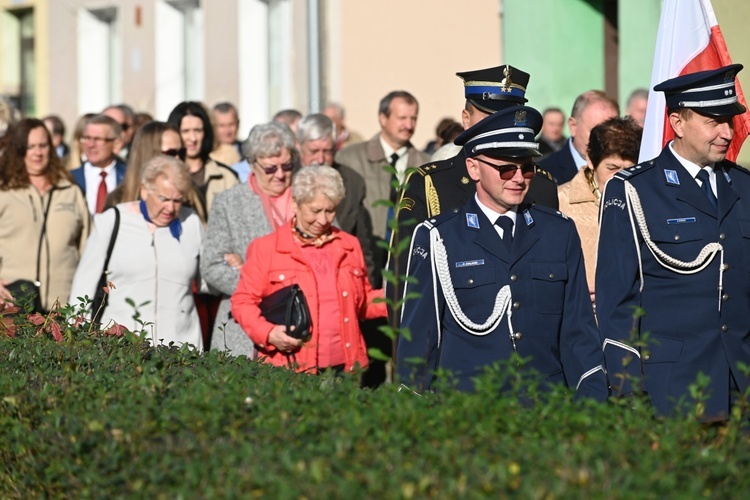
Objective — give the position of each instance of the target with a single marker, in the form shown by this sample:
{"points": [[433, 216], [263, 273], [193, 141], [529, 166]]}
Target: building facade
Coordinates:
{"points": [[75, 56]]}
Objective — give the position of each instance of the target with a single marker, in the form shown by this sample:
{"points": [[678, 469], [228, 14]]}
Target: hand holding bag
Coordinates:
{"points": [[288, 307]]}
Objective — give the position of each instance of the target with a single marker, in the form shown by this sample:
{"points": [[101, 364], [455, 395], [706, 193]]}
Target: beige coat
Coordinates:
{"points": [[68, 227], [219, 178], [578, 201]]}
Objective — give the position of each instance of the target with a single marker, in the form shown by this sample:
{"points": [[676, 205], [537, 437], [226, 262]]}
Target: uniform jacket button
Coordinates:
{"points": [[517, 336], [470, 281], [677, 237], [724, 328], [516, 305], [722, 236], [513, 277], [551, 276], [646, 357], [725, 297]]}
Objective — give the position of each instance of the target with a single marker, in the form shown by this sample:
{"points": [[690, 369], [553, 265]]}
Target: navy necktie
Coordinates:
{"points": [[706, 187], [506, 224]]}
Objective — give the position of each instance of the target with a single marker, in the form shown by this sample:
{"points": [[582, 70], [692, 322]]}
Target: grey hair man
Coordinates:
{"points": [[316, 136]]}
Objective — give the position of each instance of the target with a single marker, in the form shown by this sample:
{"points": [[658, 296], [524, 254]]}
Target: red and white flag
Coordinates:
{"points": [[688, 40]]}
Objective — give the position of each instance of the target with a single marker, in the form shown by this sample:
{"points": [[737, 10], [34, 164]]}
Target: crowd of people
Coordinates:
{"points": [[522, 241]]}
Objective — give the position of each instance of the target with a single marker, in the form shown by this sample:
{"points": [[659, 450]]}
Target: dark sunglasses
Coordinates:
{"points": [[177, 153], [507, 172], [286, 167]]}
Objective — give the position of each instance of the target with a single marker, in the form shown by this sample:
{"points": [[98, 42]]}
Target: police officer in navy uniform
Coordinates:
{"points": [[498, 276], [441, 186], [675, 241]]}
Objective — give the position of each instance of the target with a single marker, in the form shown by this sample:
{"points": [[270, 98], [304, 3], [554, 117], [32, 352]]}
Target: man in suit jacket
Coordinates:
{"points": [[317, 144], [589, 110], [675, 242], [102, 172], [391, 146], [498, 277]]}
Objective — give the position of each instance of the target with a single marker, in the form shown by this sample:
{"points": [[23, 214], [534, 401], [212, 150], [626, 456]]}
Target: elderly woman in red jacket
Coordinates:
{"points": [[328, 266]]}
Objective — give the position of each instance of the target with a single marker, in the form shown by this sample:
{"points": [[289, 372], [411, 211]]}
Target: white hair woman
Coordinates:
{"points": [[241, 214], [154, 259], [328, 266]]}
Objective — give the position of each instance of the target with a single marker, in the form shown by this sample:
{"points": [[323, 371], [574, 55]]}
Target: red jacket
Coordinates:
{"points": [[275, 261]]}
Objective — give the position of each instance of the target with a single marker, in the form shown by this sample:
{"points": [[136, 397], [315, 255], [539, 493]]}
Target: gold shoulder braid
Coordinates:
{"points": [[589, 173], [431, 197]]}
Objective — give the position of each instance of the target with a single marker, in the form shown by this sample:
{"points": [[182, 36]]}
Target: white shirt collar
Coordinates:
{"points": [[493, 216], [579, 160]]}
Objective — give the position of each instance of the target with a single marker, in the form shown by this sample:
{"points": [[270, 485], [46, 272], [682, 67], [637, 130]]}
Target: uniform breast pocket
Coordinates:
{"points": [[681, 241], [548, 280], [473, 277]]}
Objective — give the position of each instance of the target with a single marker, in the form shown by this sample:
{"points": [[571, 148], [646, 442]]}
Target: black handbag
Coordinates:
{"points": [[27, 292], [288, 307], [101, 298]]}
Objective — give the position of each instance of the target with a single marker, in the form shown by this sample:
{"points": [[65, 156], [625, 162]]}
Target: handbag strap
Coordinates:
{"points": [[112, 239], [41, 235]]}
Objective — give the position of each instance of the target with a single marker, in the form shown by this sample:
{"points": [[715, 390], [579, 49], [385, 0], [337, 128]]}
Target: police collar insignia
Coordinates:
{"points": [[672, 177], [472, 221], [528, 218], [726, 176]]}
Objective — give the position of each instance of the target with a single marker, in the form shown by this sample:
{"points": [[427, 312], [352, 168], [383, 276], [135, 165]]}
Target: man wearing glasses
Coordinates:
{"points": [[102, 172], [499, 277]]}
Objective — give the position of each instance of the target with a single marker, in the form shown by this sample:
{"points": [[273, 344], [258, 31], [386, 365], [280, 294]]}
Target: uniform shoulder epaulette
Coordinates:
{"points": [[433, 167], [734, 167], [440, 219], [544, 173], [547, 210], [630, 172]]}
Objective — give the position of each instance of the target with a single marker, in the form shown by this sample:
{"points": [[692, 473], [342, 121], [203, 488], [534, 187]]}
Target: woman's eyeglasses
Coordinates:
{"points": [[507, 172], [270, 170], [177, 153]]}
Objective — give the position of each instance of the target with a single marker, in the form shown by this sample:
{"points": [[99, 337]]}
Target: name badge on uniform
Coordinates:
{"points": [[470, 263], [528, 218], [672, 177], [681, 220], [472, 221]]}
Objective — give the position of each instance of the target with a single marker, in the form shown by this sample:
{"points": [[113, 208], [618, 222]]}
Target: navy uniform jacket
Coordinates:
{"points": [[561, 164], [451, 187], [687, 333], [552, 317]]}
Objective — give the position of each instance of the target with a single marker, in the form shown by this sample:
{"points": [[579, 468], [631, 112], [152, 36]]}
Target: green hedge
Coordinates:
{"points": [[102, 415]]}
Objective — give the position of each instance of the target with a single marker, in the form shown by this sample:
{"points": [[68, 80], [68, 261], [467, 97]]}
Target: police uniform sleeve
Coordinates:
{"points": [[413, 211], [416, 357], [617, 289], [580, 345]]}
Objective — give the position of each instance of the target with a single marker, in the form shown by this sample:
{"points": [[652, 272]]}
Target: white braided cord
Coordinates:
{"points": [[442, 269], [704, 258]]}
